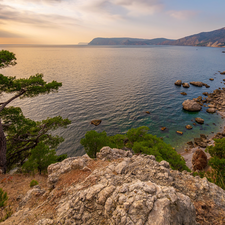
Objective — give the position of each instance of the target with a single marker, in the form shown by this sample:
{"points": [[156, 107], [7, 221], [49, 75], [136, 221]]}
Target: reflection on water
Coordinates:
{"points": [[118, 85]]}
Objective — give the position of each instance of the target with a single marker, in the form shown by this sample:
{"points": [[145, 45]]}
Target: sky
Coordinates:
{"points": [[72, 21]]}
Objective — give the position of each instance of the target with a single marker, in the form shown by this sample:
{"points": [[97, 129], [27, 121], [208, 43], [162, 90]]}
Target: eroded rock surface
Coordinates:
{"points": [[139, 190], [56, 169], [135, 189], [107, 153]]}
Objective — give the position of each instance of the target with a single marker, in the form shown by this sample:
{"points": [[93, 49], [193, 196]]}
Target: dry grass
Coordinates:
{"points": [[17, 186]]}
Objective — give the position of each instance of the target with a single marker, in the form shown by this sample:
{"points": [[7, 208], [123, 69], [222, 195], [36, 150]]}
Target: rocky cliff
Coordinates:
{"points": [[214, 38], [122, 189]]}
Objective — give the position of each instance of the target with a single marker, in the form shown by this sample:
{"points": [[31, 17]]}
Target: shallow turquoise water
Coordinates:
{"points": [[118, 84]]}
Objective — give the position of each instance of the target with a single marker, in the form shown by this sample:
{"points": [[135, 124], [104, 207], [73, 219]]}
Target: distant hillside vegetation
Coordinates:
{"points": [[214, 38], [127, 41]]}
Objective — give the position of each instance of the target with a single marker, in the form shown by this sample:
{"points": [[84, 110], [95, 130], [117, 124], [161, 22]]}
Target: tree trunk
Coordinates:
{"points": [[2, 149]]}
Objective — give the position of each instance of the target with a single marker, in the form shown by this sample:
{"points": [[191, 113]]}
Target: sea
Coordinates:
{"points": [[118, 84]]}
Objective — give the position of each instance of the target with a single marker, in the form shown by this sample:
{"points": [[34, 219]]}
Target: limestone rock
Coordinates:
{"points": [[56, 169], [191, 105], [211, 110], [197, 83], [199, 120], [178, 83], [145, 192], [205, 93], [45, 222], [135, 202], [199, 160], [200, 142], [208, 99], [106, 153], [186, 85]]}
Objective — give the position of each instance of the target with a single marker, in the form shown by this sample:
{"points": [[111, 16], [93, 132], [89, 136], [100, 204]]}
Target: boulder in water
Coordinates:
{"points": [[199, 120], [186, 85], [178, 83], [96, 122], [211, 110], [191, 105]]}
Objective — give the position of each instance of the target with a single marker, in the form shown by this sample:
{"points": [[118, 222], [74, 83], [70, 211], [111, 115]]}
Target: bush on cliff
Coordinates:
{"points": [[93, 142], [139, 141], [217, 162]]}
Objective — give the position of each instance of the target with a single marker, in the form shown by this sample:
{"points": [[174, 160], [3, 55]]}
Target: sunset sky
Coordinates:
{"points": [[74, 21]]}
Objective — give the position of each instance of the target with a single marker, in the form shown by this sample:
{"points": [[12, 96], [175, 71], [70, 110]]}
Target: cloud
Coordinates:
{"points": [[182, 15], [121, 9], [6, 34], [13, 15]]}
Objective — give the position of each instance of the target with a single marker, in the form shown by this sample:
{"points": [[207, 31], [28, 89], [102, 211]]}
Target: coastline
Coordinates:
{"points": [[188, 152]]}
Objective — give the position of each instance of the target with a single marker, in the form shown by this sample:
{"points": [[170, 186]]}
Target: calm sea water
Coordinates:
{"points": [[117, 85]]}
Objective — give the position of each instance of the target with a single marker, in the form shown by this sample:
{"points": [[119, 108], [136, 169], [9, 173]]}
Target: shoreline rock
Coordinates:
{"points": [[191, 105]]}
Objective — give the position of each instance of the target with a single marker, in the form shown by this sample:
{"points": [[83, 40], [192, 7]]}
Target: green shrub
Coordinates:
{"points": [[217, 162], [3, 198], [40, 158], [6, 211], [139, 140], [33, 183], [93, 142]]}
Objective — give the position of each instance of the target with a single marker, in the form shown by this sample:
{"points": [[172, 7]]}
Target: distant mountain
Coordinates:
{"points": [[127, 41], [214, 38]]}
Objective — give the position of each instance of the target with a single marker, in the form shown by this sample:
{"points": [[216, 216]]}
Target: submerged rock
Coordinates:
{"points": [[199, 120], [211, 79], [179, 132], [147, 112], [189, 127], [183, 93], [191, 105], [163, 128]]}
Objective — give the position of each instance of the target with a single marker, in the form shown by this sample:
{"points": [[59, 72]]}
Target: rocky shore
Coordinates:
{"points": [[215, 102], [123, 189]]}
